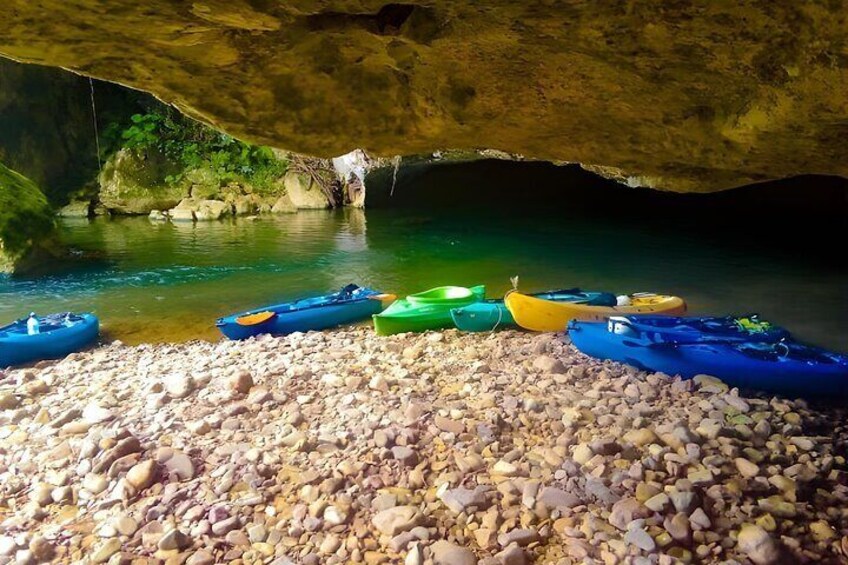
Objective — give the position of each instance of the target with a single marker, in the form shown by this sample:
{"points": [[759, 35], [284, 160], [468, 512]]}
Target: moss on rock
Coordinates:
{"points": [[133, 182], [26, 219]]}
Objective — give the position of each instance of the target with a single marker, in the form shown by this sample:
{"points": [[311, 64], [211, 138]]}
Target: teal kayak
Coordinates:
{"points": [[489, 315], [428, 310]]}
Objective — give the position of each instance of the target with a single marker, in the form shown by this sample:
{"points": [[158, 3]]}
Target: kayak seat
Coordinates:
{"points": [[604, 299]]}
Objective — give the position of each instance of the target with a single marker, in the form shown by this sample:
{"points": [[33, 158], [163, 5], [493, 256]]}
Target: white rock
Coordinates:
{"points": [[758, 545], [395, 520], [446, 553], [96, 414], [640, 538], [178, 385], [7, 545], [95, 483], [415, 556], [582, 453], [746, 468]]}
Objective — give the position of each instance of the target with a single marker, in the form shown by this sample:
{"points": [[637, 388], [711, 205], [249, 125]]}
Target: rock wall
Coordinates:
{"points": [[679, 95], [46, 125]]}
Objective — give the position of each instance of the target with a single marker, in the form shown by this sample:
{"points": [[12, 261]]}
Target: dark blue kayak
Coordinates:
{"points": [[60, 335], [350, 304], [666, 329], [767, 359]]}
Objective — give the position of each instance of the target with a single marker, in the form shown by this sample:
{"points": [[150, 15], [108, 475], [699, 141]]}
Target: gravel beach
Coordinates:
{"points": [[440, 448]]}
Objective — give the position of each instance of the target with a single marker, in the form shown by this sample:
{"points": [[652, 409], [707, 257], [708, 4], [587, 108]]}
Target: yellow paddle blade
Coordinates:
{"points": [[386, 298], [255, 319]]}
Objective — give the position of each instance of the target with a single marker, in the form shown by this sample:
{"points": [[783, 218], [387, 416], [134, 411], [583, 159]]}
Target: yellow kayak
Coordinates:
{"points": [[547, 316]]}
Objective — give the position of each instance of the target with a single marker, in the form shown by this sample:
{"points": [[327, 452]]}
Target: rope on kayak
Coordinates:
{"points": [[500, 318], [94, 119]]}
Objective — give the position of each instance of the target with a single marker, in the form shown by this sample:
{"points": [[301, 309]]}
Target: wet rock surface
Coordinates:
{"points": [[682, 96], [343, 447]]}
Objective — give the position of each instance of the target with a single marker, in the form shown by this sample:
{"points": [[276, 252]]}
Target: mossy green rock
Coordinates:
{"points": [[26, 219], [133, 182], [690, 96]]}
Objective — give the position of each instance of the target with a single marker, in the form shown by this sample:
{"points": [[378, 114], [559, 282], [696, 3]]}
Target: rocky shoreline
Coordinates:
{"points": [[442, 448]]}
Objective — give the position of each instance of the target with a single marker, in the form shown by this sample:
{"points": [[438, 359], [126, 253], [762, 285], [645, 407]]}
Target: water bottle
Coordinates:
{"points": [[33, 326]]}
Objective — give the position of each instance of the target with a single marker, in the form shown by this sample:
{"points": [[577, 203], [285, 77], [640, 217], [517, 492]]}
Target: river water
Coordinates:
{"points": [[169, 282]]}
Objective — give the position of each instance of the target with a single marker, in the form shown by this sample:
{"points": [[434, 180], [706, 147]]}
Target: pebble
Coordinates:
{"points": [[95, 483], [625, 511], [178, 385], [240, 382], [640, 437], [179, 465], [95, 414], [446, 553], [448, 425], [777, 506], [141, 474], [658, 503], [822, 531], [582, 453], [406, 455], [758, 545], [173, 539], [640, 538], [8, 401], [201, 557], [506, 447], [746, 468], [520, 536], [512, 555], [8, 545], [395, 520], [415, 556], [106, 550], [547, 364], [459, 499], [125, 525]]}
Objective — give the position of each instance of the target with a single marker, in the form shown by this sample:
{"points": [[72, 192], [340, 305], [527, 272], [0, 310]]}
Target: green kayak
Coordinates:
{"points": [[428, 310]]}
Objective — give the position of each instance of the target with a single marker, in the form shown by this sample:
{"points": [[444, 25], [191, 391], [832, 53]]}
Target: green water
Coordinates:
{"points": [[169, 282]]}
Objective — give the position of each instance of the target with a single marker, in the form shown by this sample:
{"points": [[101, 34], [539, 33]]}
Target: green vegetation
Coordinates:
{"points": [[191, 145], [25, 215], [24, 212]]}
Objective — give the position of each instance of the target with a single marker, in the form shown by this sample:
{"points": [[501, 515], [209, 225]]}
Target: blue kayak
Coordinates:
{"points": [[666, 329], [767, 359], [60, 335], [350, 304], [489, 315]]}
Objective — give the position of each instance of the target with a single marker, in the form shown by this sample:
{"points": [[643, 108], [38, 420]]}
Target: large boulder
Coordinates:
{"points": [[304, 192], [184, 211], [76, 209], [208, 210], [133, 182], [283, 205]]}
